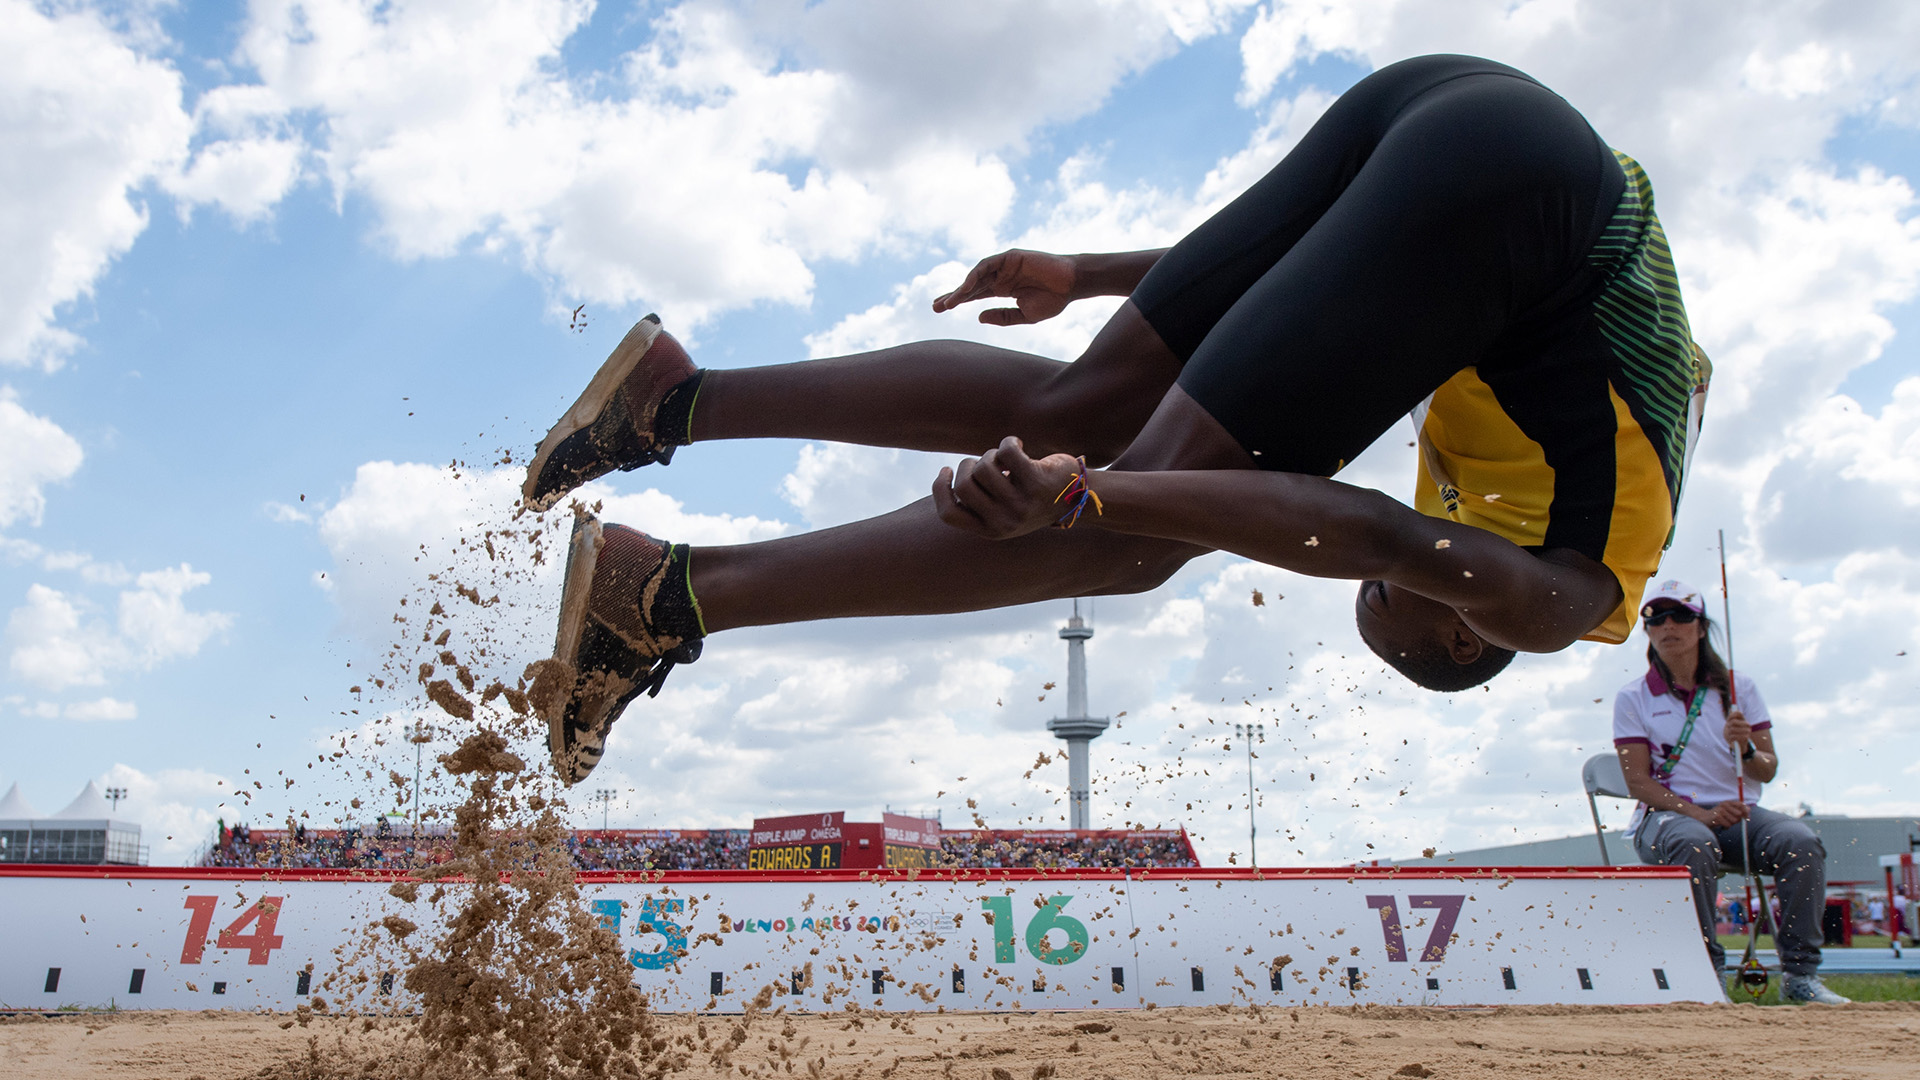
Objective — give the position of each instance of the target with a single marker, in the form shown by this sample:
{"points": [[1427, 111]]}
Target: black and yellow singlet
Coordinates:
{"points": [[1453, 240], [1553, 483]]}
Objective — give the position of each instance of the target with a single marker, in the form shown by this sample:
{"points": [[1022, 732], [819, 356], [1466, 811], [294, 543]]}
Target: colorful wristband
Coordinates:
{"points": [[1077, 495]]}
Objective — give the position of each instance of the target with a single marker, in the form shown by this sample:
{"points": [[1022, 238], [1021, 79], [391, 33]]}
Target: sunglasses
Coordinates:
{"points": [[1680, 615]]}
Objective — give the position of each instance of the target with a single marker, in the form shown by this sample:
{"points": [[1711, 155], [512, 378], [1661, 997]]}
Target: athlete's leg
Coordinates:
{"points": [[951, 396], [909, 562], [1408, 275], [962, 397]]}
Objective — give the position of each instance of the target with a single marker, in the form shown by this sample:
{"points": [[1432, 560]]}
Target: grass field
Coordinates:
{"points": [[1857, 987], [1860, 941]]}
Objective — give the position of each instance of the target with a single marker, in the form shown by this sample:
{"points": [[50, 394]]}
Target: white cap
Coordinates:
{"points": [[1675, 591]]}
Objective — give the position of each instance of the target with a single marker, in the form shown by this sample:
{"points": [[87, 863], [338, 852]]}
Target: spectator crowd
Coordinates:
{"points": [[391, 845], [998, 848]]}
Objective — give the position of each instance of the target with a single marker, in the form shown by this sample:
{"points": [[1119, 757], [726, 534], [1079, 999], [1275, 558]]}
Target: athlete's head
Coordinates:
{"points": [[1425, 640]]}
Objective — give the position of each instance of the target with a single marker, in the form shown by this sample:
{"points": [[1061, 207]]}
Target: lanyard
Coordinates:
{"points": [[1686, 732]]}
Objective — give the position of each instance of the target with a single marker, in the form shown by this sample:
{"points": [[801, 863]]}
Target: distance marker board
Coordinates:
{"points": [[977, 940]]}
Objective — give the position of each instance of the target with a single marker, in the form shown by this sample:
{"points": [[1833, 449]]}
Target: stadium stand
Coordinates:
{"points": [[396, 846]]}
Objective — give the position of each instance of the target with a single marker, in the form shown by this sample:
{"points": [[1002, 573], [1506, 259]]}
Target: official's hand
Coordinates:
{"points": [[1739, 732], [1732, 812], [1040, 284], [1004, 493]]}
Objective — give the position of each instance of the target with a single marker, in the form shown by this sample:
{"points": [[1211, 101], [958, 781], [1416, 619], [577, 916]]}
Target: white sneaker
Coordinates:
{"points": [[1809, 990]]}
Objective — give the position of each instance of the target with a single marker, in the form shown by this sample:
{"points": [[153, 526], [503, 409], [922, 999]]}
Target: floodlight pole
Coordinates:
{"points": [[114, 795], [604, 797], [1249, 734], [421, 735]]}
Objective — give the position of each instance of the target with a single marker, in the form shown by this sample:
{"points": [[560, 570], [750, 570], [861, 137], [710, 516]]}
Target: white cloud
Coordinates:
{"points": [[105, 708], [39, 710], [49, 647], [85, 121], [54, 644], [286, 513], [34, 452], [93, 572], [833, 483], [154, 622], [91, 119], [736, 146], [1284, 34], [250, 162], [178, 809]]}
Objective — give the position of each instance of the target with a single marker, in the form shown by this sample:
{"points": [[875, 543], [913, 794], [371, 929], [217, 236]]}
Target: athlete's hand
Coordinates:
{"points": [[1040, 284], [1003, 493]]}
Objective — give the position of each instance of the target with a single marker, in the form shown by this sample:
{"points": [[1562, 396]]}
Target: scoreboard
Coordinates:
{"points": [[902, 857], [831, 842], [798, 842], [796, 857]]}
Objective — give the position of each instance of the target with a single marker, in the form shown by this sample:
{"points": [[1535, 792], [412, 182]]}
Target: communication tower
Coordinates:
{"points": [[1077, 728]]}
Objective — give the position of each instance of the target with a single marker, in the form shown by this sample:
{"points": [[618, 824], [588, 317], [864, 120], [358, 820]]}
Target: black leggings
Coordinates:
{"points": [[1437, 217]]}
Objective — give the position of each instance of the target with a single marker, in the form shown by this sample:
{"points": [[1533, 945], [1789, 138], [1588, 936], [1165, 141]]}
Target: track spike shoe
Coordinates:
{"points": [[613, 424], [627, 618]]}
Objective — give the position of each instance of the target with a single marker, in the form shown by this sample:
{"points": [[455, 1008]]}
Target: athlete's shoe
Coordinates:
{"points": [[1809, 990], [626, 619], [612, 425]]}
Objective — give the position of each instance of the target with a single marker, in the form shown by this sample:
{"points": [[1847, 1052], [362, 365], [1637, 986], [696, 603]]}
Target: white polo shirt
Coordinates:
{"points": [[1647, 712]]}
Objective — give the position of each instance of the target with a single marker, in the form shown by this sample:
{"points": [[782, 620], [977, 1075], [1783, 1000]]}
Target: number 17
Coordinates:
{"points": [[1448, 908]]}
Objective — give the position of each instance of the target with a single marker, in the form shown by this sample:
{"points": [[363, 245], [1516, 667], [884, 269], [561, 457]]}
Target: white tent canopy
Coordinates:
{"points": [[83, 832], [89, 805], [15, 806]]}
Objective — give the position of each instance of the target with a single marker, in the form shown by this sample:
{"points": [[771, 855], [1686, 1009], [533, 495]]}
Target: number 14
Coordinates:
{"points": [[259, 945]]}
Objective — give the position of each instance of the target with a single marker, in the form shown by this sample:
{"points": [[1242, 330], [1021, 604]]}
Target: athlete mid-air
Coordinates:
{"points": [[1452, 240]]}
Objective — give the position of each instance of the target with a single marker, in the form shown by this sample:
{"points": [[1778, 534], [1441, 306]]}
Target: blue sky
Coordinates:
{"points": [[326, 249]]}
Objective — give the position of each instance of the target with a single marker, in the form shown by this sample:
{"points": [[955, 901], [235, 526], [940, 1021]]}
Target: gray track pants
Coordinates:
{"points": [[1782, 847]]}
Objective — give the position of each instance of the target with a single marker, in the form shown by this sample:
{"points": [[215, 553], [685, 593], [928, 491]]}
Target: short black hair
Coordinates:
{"points": [[1433, 667]]}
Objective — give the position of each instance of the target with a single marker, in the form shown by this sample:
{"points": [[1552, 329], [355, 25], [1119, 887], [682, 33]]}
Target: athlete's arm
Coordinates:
{"points": [[1510, 596], [1042, 284]]}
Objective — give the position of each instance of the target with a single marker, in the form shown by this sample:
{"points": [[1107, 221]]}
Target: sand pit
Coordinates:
{"points": [[1866, 1041]]}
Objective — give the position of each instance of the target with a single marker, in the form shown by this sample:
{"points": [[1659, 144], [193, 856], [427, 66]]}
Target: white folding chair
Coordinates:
{"points": [[1602, 775]]}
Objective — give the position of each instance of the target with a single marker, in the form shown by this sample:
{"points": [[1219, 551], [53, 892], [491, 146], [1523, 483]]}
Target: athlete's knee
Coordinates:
{"points": [[1097, 405], [1096, 416]]}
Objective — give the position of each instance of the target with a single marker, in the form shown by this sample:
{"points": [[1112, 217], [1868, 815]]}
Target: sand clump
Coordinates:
{"points": [[523, 983], [495, 967], [526, 982]]}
